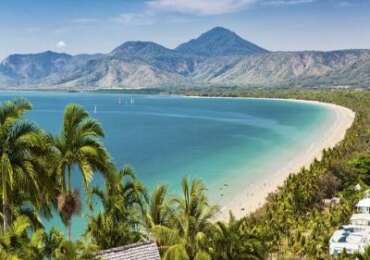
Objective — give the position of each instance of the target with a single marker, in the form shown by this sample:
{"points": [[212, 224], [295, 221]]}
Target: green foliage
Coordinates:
{"points": [[294, 222], [184, 227], [158, 212], [361, 166], [24, 161], [237, 240], [123, 201], [79, 144], [21, 242], [364, 256]]}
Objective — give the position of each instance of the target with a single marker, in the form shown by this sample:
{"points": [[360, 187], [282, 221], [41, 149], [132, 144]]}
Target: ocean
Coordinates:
{"points": [[226, 142]]}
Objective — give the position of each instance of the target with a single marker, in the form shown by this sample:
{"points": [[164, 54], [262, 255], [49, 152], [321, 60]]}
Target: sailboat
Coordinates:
{"points": [[95, 110]]}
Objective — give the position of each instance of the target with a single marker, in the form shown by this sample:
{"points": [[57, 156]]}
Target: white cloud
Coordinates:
{"points": [[154, 10], [287, 2], [61, 45], [145, 18], [84, 20], [214, 7], [345, 4], [32, 29], [200, 7]]}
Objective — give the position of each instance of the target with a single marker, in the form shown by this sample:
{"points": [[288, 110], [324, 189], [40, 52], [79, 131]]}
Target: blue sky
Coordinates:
{"points": [[89, 26]]}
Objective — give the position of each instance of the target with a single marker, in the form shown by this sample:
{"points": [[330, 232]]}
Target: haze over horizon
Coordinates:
{"points": [[90, 26]]}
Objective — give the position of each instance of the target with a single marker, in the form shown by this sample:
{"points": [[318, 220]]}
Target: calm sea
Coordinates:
{"points": [[221, 141]]}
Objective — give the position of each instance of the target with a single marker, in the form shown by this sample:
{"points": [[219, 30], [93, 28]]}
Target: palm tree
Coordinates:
{"points": [[232, 241], [53, 240], [16, 243], [361, 166], [23, 151], [123, 201], [22, 242], [158, 212], [79, 144], [74, 250], [187, 235]]}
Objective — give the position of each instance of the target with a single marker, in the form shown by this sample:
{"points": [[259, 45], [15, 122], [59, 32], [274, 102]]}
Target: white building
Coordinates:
{"points": [[147, 250], [354, 237]]}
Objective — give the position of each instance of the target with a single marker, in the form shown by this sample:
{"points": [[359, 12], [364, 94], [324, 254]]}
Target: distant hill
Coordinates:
{"points": [[219, 42], [34, 66], [217, 57], [347, 68], [139, 49]]}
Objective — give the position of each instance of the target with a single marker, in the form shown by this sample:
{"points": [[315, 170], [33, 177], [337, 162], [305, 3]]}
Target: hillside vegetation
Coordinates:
{"points": [[218, 57], [294, 222]]}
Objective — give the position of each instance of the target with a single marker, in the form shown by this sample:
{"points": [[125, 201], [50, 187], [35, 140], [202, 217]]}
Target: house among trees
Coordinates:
{"points": [[354, 237], [139, 251]]}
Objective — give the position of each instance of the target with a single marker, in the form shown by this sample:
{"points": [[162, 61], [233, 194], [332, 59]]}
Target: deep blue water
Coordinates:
{"points": [[167, 137]]}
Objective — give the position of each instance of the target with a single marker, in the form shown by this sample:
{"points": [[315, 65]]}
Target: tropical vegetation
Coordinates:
{"points": [[37, 169]]}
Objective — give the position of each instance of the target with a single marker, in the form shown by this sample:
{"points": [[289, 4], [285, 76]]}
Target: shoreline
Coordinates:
{"points": [[253, 196], [253, 193]]}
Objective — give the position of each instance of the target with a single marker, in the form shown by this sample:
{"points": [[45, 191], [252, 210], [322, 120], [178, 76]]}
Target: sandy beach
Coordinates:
{"points": [[255, 193]]}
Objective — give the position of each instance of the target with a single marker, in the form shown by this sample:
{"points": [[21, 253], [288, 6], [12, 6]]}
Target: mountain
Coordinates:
{"points": [[42, 69], [142, 50], [219, 42], [218, 57], [34, 66], [155, 55], [307, 69]]}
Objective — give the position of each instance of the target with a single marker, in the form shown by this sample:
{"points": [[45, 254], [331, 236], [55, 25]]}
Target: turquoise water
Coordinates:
{"points": [[167, 137]]}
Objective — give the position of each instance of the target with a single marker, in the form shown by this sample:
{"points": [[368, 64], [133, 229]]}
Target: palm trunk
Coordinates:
{"points": [[7, 217], [69, 230], [5, 203], [69, 189]]}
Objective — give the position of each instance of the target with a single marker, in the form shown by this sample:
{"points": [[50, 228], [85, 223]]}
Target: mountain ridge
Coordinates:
{"points": [[219, 42], [217, 57]]}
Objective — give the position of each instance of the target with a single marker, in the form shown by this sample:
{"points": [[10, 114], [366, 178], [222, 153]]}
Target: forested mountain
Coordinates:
{"points": [[217, 57]]}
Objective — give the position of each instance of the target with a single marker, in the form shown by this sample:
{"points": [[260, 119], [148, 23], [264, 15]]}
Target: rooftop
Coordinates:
{"points": [[361, 216], [139, 251], [349, 239], [364, 203], [355, 236]]}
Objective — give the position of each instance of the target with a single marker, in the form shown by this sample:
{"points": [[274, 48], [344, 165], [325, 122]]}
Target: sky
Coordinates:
{"points": [[98, 26]]}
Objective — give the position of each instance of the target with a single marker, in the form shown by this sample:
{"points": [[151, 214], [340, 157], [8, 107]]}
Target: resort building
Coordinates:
{"points": [[140, 251], [354, 237]]}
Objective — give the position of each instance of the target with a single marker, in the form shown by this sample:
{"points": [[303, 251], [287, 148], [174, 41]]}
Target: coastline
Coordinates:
{"points": [[254, 195]]}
